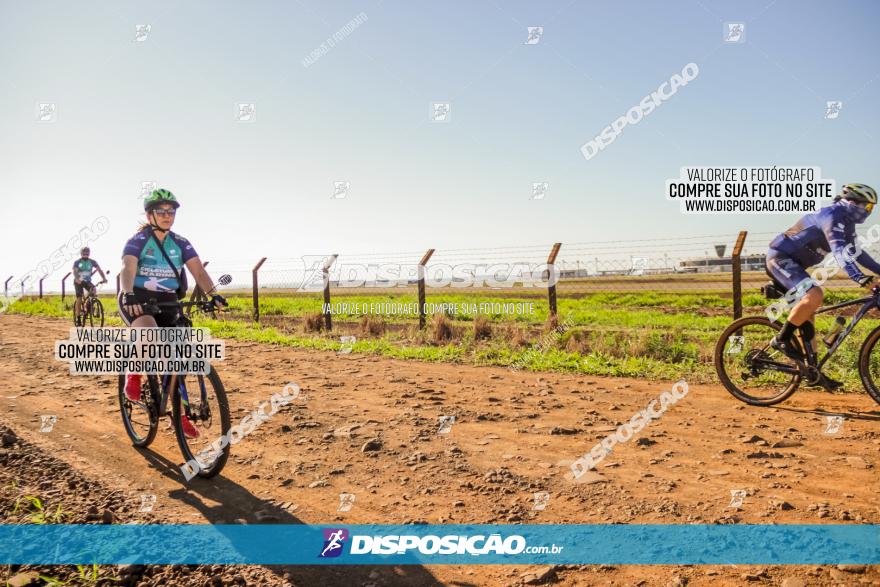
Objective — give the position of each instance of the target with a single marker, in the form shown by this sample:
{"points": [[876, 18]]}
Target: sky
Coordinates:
{"points": [[164, 109]]}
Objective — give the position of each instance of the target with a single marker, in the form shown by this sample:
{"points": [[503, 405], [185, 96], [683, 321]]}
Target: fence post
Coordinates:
{"points": [[325, 273], [6, 286], [422, 263], [256, 290], [736, 270], [22, 286], [551, 289], [63, 279], [41, 286]]}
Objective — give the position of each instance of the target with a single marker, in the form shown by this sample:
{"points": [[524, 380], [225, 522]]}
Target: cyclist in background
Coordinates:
{"points": [[831, 229], [83, 269], [147, 274]]}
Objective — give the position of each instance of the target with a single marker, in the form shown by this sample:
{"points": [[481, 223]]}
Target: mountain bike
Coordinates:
{"points": [[206, 406], [757, 374], [92, 309]]}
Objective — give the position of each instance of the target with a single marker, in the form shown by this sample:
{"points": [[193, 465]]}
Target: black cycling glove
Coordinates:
{"points": [[130, 299], [866, 280], [218, 300]]}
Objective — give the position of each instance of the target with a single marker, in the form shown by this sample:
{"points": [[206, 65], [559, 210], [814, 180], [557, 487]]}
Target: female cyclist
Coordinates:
{"points": [[147, 274]]}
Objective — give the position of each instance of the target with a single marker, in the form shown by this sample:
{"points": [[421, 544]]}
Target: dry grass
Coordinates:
{"points": [[372, 325], [441, 329], [482, 328], [551, 324], [515, 336], [314, 322]]}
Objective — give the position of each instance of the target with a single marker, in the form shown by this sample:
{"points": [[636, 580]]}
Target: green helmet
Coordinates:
{"points": [[160, 196]]}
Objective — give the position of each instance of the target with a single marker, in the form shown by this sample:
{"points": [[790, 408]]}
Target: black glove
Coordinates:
{"points": [[130, 299], [866, 280], [218, 301]]}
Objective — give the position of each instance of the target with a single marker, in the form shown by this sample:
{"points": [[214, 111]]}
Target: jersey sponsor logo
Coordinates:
{"points": [[155, 284], [156, 271]]}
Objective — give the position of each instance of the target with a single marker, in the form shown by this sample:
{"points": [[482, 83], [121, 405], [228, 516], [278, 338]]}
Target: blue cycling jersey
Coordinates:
{"points": [[153, 272], [830, 230]]}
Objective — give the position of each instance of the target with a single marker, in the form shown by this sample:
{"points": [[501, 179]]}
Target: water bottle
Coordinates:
{"points": [[831, 337]]}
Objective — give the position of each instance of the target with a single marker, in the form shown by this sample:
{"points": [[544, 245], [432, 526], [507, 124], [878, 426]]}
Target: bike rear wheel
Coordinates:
{"points": [[869, 364], [141, 418], [209, 412], [751, 370]]}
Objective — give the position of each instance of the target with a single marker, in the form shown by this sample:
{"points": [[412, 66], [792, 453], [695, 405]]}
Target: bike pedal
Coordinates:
{"points": [[829, 385]]}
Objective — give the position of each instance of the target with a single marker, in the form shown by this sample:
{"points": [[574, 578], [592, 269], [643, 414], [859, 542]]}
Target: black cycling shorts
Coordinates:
{"points": [[81, 287], [168, 316]]}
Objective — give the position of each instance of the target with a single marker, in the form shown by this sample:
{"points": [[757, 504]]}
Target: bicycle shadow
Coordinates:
{"points": [[870, 416], [234, 502]]}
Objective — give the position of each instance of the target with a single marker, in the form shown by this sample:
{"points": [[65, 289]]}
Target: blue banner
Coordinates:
{"points": [[628, 544]]}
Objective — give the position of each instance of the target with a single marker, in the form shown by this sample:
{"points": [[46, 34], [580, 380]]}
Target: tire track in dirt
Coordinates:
{"points": [[515, 433]]}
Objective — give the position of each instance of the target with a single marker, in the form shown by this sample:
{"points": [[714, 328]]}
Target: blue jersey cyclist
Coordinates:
{"points": [[830, 230], [153, 259], [83, 269]]}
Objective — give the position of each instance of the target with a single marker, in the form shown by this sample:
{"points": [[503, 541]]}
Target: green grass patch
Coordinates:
{"points": [[633, 335]]}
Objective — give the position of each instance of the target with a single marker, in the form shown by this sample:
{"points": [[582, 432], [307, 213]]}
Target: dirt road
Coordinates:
{"points": [[515, 434]]}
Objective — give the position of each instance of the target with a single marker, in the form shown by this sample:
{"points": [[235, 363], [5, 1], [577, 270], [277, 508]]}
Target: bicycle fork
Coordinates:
{"points": [[168, 383]]}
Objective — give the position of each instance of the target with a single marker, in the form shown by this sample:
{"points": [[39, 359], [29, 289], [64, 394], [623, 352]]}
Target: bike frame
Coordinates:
{"points": [[169, 380], [89, 299], [868, 302]]}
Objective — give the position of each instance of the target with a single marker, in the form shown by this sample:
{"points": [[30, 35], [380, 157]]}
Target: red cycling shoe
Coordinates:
{"points": [[133, 387], [189, 430]]}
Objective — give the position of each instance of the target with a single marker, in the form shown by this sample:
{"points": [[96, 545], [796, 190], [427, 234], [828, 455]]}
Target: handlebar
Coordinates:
{"points": [[154, 307]]}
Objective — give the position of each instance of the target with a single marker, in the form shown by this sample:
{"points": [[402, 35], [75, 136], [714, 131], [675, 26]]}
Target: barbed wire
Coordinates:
{"points": [[603, 262]]}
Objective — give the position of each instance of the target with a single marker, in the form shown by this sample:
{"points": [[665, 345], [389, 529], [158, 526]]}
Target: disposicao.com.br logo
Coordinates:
{"points": [[334, 538], [452, 544]]}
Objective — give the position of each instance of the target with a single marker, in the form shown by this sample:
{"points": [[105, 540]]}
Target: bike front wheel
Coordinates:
{"points": [[869, 364], [207, 409], [96, 313], [749, 368], [141, 418]]}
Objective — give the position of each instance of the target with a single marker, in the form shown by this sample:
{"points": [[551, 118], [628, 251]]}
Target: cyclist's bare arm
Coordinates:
{"points": [[101, 271], [200, 274]]}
